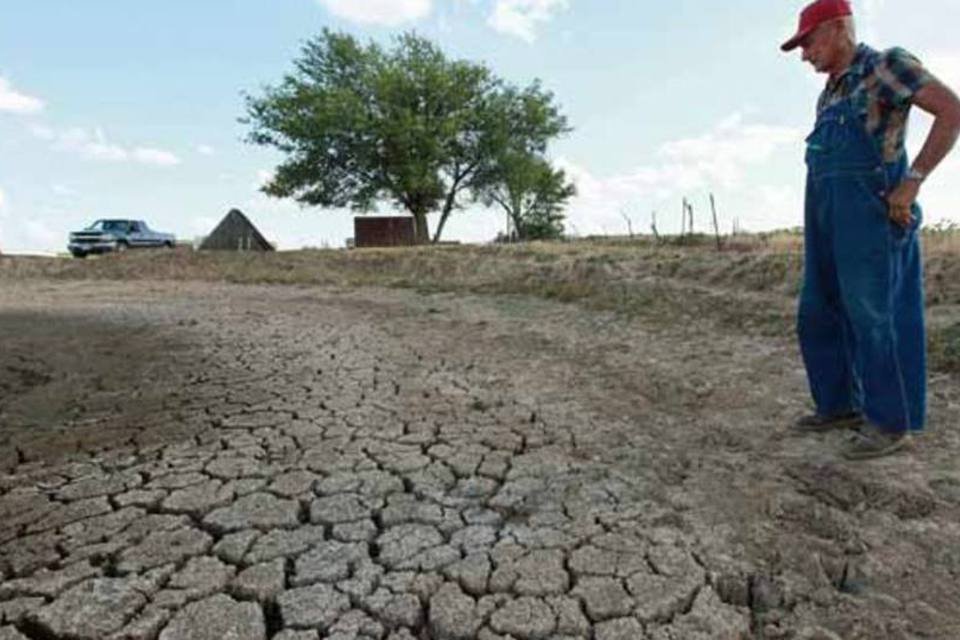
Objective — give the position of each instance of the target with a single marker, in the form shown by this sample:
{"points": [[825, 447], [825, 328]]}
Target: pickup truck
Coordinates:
{"points": [[104, 236]]}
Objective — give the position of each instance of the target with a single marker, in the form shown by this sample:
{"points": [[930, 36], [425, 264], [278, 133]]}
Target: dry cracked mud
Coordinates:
{"points": [[191, 461]]}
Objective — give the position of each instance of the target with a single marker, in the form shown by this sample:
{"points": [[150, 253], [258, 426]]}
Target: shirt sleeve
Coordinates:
{"points": [[901, 75]]}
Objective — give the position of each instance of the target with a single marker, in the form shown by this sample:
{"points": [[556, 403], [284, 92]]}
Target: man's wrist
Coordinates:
{"points": [[915, 175]]}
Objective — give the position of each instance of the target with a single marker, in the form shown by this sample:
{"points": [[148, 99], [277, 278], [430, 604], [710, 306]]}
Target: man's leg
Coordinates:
{"points": [[826, 340], [871, 271], [908, 309]]}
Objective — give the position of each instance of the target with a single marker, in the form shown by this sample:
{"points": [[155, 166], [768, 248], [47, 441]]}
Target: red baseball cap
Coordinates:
{"points": [[815, 14]]}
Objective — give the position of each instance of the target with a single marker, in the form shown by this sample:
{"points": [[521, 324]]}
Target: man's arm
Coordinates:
{"points": [[938, 100], [943, 104]]}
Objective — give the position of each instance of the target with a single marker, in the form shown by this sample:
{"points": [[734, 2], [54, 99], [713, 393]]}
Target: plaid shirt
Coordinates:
{"points": [[881, 85]]}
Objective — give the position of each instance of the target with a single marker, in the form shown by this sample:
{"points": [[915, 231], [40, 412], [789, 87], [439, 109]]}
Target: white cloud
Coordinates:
{"points": [[720, 156], [205, 150], [95, 146], [382, 12], [156, 157], [520, 17], [15, 102], [3, 200], [718, 160]]}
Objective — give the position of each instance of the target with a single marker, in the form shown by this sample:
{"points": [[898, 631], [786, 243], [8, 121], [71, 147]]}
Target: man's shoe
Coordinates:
{"points": [[818, 424], [872, 442]]}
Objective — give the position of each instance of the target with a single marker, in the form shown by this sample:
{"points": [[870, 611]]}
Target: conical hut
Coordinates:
{"points": [[235, 233]]}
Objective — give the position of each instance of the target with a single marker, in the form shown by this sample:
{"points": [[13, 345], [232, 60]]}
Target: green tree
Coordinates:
{"points": [[510, 121], [360, 124], [532, 193], [518, 178]]}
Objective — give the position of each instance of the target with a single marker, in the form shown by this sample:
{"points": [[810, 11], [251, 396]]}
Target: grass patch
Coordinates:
{"points": [[944, 348]]}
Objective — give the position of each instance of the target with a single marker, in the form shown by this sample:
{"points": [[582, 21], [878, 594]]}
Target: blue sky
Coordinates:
{"points": [[118, 108]]}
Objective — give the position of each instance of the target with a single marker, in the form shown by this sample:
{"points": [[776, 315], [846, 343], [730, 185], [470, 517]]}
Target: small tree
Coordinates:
{"points": [[510, 121], [533, 195], [518, 178]]}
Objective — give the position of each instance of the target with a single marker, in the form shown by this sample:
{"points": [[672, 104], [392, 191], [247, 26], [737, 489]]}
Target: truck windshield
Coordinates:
{"points": [[110, 225]]}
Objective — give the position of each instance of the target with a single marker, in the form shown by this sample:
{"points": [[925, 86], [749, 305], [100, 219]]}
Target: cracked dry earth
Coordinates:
{"points": [[183, 461]]}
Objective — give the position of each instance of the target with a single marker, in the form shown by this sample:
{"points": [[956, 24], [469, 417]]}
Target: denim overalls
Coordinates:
{"points": [[860, 319]]}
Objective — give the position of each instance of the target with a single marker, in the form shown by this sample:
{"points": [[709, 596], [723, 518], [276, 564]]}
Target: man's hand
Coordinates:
{"points": [[901, 200]]}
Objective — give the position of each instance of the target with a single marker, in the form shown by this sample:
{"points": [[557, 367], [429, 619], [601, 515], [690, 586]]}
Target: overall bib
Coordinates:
{"points": [[860, 318]]}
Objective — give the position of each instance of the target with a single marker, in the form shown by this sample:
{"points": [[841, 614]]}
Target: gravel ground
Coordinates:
{"points": [[187, 460]]}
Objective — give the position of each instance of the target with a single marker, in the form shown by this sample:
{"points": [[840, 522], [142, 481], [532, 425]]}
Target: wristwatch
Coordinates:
{"points": [[913, 174]]}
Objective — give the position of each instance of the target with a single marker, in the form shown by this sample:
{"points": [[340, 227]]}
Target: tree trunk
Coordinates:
{"points": [[518, 227], [516, 210], [449, 204], [421, 230], [447, 210]]}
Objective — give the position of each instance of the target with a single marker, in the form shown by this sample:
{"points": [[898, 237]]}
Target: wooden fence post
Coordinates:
{"points": [[716, 224]]}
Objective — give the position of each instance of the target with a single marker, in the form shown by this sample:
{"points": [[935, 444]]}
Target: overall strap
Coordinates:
{"points": [[841, 142]]}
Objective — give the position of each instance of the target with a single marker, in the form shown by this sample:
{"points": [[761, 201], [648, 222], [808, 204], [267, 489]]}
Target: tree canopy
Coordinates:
{"points": [[359, 124]]}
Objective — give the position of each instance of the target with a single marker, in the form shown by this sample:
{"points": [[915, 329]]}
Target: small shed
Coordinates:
{"points": [[383, 231], [235, 233]]}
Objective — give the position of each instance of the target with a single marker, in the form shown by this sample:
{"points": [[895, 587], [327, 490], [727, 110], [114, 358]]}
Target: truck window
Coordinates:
{"points": [[111, 225]]}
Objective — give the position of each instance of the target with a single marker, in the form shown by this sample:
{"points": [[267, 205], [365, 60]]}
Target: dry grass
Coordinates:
{"points": [[456, 266], [769, 263], [672, 281]]}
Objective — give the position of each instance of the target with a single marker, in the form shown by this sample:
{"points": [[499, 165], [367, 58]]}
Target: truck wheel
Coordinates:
{"points": [[168, 245]]}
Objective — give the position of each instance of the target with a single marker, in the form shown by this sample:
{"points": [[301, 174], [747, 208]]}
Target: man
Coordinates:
{"points": [[860, 319]]}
